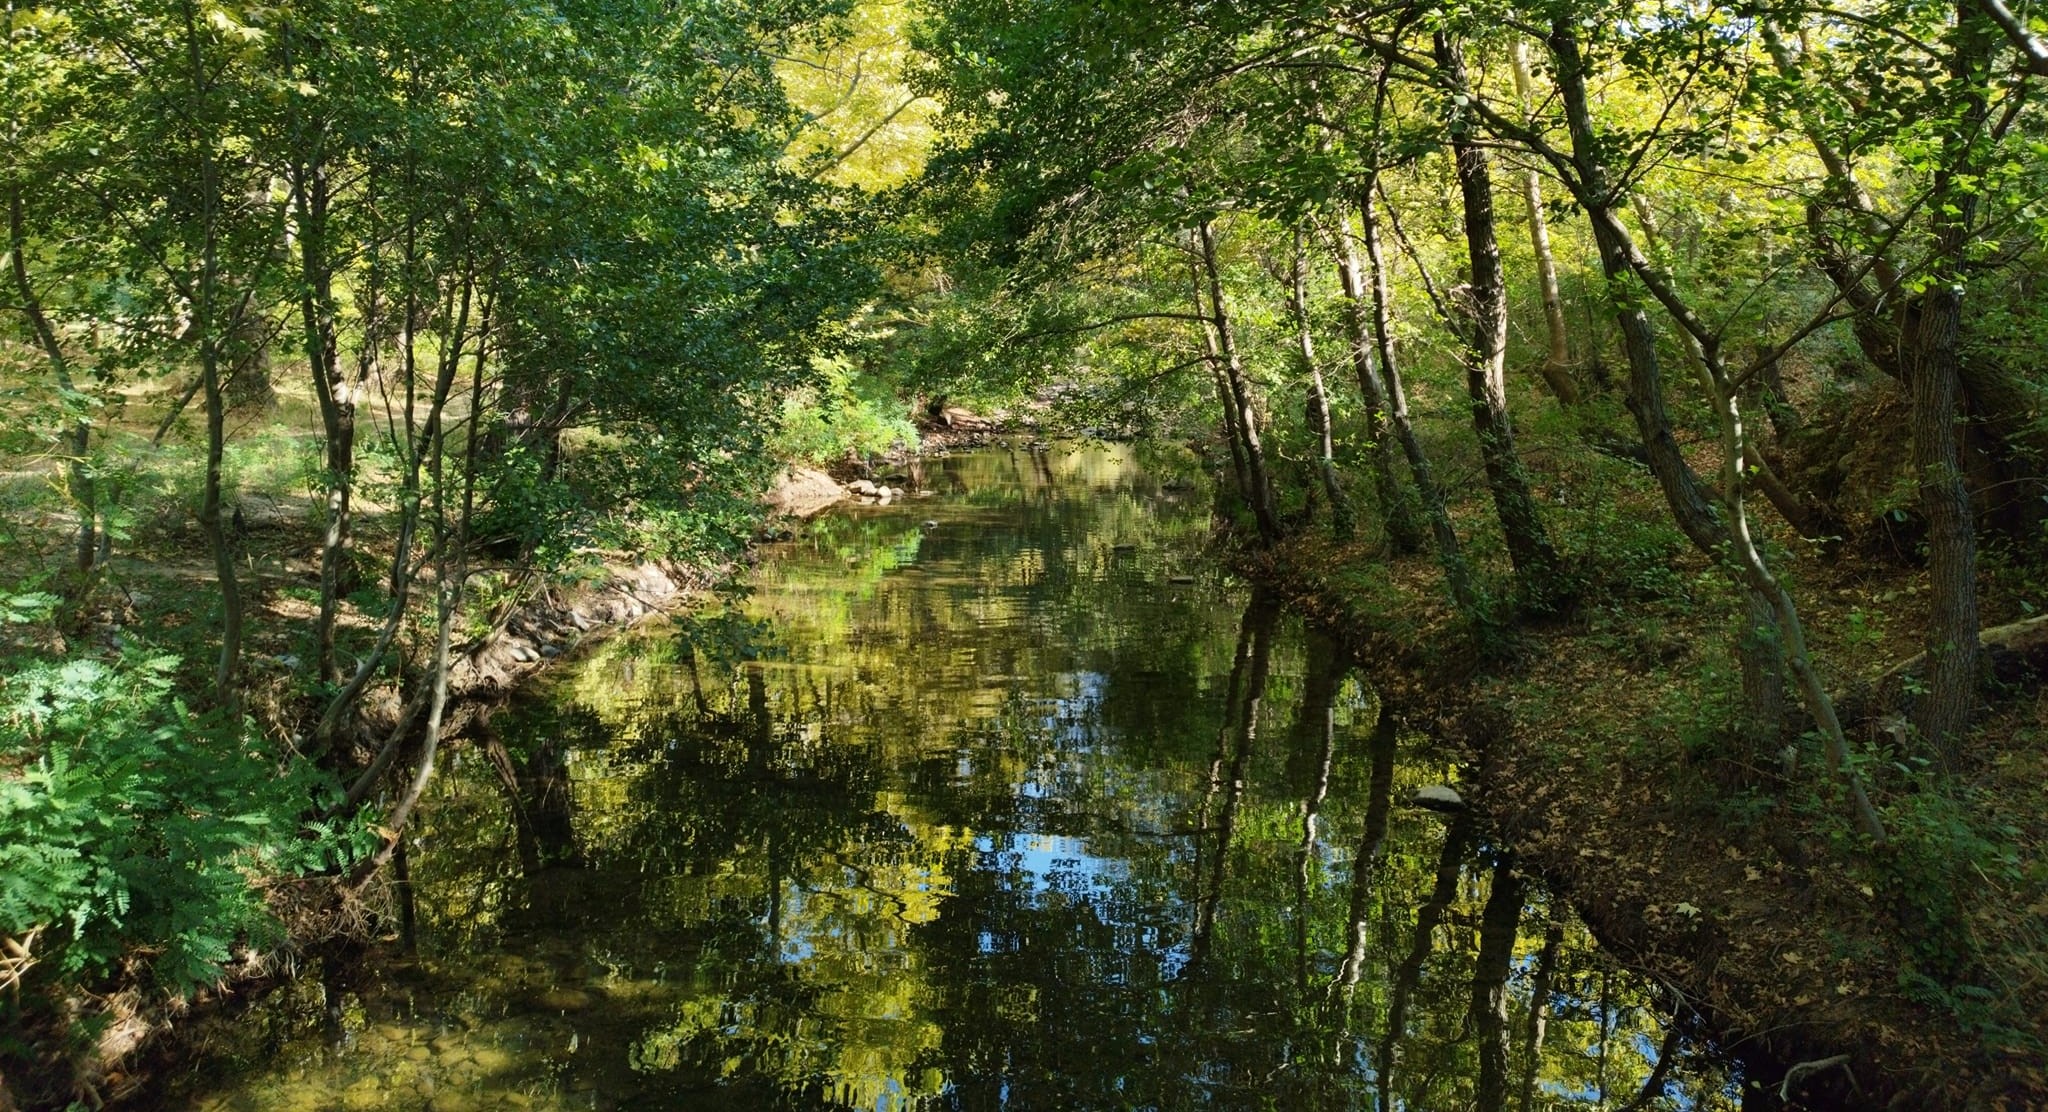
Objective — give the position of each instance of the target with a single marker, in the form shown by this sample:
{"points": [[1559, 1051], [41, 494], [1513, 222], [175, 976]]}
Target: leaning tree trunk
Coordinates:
{"points": [[1485, 324], [1624, 264], [1449, 554], [1402, 534], [1557, 359], [78, 478], [1317, 402], [1241, 408]]}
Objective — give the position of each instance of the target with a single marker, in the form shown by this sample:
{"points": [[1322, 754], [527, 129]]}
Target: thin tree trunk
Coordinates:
{"points": [[1539, 1009], [1449, 866], [451, 551], [1457, 575], [1318, 720], [1498, 929], [1483, 316], [1403, 536], [1259, 618], [1379, 801], [1622, 261], [78, 479], [1214, 358], [1557, 360], [1246, 415], [1318, 401], [312, 203], [206, 288]]}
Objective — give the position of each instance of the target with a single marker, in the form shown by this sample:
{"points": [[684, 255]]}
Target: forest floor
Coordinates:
{"points": [[1594, 747]]}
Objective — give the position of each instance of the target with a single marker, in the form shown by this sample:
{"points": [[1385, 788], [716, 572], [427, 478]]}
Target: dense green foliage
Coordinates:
{"points": [[548, 277], [1604, 309], [133, 823]]}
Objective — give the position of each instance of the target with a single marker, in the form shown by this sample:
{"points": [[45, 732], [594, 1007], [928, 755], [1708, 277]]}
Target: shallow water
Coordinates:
{"points": [[1000, 797]]}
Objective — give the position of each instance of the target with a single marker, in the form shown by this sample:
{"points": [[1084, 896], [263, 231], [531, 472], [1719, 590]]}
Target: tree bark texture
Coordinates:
{"points": [[1457, 574], [1484, 318], [1396, 509], [1240, 403], [1317, 401], [1557, 359]]}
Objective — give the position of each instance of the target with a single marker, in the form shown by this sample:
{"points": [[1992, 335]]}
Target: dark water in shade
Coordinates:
{"points": [[1003, 797]]}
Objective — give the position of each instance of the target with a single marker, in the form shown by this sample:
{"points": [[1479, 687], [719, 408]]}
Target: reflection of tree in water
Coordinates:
{"points": [[980, 814]]}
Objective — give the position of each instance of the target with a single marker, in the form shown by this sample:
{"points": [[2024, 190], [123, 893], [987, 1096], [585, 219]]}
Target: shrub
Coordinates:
{"points": [[131, 824]]}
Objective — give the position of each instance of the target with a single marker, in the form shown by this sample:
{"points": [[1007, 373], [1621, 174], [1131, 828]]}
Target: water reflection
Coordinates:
{"points": [[997, 798]]}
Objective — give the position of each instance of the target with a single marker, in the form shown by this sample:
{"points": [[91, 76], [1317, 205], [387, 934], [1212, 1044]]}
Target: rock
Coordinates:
{"points": [[524, 655], [805, 492], [492, 1060], [453, 1102], [954, 417], [864, 488], [1437, 797]]}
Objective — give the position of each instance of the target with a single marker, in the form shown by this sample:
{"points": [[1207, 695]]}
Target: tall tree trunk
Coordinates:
{"points": [[78, 478], [1317, 719], [1214, 358], [1318, 399], [1255, 643], [1557, 359], [429, 445], [1379, 800], [1932, 364], [312, 205], [1242, 409], [1539, 1009], [207, 291], [1450, 865], [1396, 509], [1457, 574], [1485, 326]]}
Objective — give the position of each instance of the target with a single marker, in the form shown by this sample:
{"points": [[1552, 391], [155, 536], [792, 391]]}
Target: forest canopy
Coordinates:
{"points": [[333, 334]]}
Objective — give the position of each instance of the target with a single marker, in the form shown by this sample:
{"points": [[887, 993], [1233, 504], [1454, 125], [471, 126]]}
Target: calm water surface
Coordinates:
{"points": [[1000, 797]]}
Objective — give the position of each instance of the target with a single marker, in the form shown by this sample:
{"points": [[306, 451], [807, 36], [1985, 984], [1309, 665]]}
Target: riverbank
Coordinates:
{"points": [[100, 1038], [116, 1037], [1846, 977]]}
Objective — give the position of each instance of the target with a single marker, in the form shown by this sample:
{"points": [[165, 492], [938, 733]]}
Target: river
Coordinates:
{"points": [[1002, 796]]}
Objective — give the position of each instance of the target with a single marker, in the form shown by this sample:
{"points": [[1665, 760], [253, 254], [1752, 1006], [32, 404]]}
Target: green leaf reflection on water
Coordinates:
{"points": [[972, 802]]}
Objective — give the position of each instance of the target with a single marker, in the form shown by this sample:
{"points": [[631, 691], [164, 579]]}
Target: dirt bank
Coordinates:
{"points": [[1802, 956]]}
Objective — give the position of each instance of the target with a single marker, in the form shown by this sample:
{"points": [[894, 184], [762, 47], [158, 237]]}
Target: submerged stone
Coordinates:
{"points": [[1438, 797]]}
